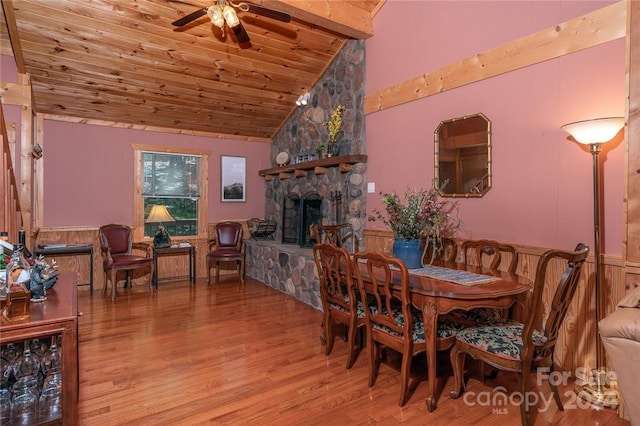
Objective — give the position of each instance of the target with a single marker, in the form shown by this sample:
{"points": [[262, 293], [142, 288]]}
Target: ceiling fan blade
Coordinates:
{"points": [[190, 17], [269, 13], [241, 34]]}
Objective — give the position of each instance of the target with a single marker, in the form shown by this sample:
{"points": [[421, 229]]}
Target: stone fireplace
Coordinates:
{"points": [[331, 192]]}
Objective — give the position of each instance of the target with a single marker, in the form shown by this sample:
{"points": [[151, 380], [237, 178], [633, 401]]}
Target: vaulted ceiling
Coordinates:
{"points": [[123, 61]]}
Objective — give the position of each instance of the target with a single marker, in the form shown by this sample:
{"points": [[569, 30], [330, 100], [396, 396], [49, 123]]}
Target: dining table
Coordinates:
{"points": [[447, 286]]}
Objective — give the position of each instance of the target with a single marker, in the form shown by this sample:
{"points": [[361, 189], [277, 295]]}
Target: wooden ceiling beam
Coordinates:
{"points": [[12, 30], [339, 16]]}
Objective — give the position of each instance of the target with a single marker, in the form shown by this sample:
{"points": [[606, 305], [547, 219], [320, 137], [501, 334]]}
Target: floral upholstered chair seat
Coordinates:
{"points": [[503, 340], [446, 327], [477, 317], [359, 308]]}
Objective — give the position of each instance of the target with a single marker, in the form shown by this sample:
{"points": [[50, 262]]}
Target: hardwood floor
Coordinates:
{"points": [[231, 354]]}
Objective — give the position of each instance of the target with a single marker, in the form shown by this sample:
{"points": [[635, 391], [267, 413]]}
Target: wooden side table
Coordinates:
{"points": [[69, 250], [170, 251]]}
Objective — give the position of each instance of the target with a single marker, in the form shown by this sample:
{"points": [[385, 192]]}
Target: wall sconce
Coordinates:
{"points": [[594, 133], [159, 214], [303, 99]]}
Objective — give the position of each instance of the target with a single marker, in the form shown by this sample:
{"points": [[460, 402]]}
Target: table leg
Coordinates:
{"points": [[91, 272], [192, 265], [430, 318], [155, 269]]}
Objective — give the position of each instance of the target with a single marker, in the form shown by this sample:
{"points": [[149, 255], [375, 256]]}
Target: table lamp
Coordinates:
{"points": [[159, 215]]}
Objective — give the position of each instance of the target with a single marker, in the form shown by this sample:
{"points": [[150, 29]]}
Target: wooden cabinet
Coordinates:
{"points": [[56, 318]]}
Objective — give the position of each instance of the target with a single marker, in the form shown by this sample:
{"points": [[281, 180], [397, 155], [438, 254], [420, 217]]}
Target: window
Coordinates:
{"points": [[177, 180], [172, 180]]}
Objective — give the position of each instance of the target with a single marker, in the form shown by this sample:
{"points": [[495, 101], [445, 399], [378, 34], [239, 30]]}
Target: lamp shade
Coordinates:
{"points": [[596, 131], [215, 14], [230, 16], [159, 214]]}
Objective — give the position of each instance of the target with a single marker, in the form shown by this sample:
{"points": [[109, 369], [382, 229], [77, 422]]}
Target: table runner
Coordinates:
{"points": [[453, 275]]}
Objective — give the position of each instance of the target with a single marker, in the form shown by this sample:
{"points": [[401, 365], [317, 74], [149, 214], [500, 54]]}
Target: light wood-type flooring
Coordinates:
{"points": [[232, 354]]}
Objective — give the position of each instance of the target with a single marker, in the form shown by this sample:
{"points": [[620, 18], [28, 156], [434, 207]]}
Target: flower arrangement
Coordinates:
{"points": [[425, 215], [334, 124]]}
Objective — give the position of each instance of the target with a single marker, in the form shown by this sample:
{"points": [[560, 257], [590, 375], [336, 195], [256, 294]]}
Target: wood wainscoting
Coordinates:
{"points": [[576, 344]]}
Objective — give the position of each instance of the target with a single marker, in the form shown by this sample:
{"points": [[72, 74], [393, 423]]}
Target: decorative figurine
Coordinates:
{"points": [[43, 278], [161, 239]]}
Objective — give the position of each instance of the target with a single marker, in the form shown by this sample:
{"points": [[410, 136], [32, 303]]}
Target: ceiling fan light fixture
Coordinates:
{"points": [[230, 16], [215, 15]]}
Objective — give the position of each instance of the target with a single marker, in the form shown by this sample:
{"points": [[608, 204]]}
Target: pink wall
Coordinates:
{"points": [[542, 183], [89, 181]]}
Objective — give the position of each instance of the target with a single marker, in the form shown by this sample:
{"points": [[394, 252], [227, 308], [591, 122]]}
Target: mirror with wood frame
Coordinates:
{"points": [[463, 156]]}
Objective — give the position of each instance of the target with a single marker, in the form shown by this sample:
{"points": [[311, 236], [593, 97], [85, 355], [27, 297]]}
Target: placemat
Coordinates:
{"points": [[453, 275]]}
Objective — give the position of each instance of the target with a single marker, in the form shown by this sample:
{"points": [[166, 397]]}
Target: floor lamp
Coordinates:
{"points": [[594, 133]]}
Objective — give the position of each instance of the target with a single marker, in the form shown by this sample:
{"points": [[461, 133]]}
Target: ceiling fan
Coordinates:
{"points": [[224, 12]]}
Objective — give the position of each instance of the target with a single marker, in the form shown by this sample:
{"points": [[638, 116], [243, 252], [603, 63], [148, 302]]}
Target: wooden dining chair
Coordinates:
{"points": [[447, 252], [392, 321], [494, 255], [521, 347], [339, 235], [227, 246], [118, 254], [340, 300], [489, 253]]}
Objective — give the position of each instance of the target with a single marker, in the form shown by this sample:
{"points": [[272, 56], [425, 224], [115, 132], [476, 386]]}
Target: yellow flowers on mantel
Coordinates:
{"points": [[334, 124]]}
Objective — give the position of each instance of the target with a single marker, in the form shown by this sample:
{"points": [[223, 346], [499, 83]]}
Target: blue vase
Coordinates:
{"points": [[409, 251]]}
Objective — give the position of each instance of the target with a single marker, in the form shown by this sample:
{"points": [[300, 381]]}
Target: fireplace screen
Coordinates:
{"points": [[298, 216]]}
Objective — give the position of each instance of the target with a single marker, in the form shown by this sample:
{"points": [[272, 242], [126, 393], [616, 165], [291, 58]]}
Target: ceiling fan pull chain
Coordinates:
{"points": [[244, 7]]}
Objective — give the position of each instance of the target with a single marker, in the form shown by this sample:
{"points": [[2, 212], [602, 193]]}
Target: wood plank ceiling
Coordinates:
{"points": [[122, 61]]}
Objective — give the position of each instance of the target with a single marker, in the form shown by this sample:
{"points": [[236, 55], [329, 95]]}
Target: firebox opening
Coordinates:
{"points": [[298, 216]]}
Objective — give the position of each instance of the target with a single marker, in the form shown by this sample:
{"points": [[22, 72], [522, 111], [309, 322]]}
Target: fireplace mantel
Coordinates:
{"points": [[343, 162]]}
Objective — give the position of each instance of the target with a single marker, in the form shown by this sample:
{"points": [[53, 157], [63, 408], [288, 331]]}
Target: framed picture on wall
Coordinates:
{"points": [[233, 174]]}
